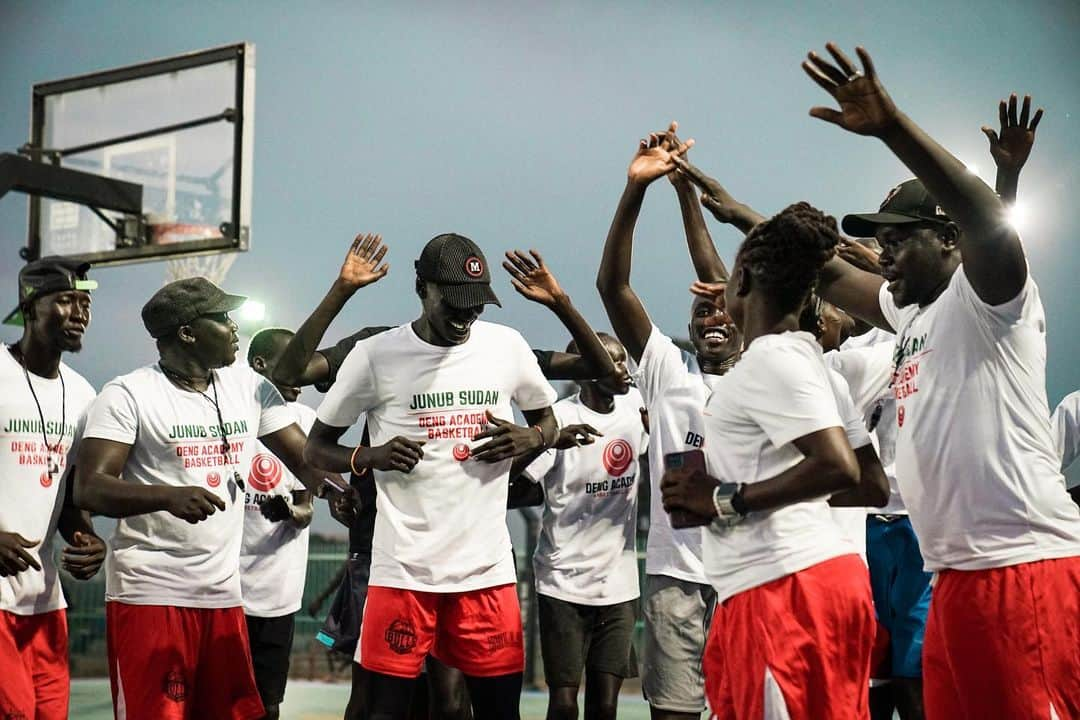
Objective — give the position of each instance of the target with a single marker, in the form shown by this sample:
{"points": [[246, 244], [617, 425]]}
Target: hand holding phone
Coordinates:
{"points": [[690, 461]]}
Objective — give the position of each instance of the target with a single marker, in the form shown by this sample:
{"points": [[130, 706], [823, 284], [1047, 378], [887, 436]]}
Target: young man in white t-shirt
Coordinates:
{"points": [[975, 455], [273, 554], [166, 449], [442, 576], [42, 403]]}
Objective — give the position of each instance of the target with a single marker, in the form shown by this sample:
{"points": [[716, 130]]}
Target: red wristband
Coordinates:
{"points": [[352, 461]]}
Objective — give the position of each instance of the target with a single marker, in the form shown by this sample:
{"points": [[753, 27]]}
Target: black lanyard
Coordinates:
{"points": [[53, 467]]}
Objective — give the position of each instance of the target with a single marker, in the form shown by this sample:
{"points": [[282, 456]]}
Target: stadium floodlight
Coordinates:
{"points": [[252, 311]]}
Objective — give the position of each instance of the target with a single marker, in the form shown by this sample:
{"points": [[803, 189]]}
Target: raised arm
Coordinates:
{"points": [[1012, 147], [993, 257], [854, 291], [628, 317], [717, 200], [300, 364], [535, 281], [708, 266]]}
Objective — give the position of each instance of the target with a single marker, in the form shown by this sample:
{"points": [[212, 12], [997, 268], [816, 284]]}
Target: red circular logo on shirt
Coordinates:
{"points": [[265, 472], [213, 479], [617, 457], [462, 452], [900, 416], [45, 479], [474, 267]]}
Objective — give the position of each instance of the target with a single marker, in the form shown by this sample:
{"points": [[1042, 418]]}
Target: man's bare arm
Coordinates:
{"points": [[708, 265], [717, 200]]}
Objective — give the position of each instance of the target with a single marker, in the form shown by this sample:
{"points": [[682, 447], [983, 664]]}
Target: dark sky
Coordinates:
{"points": [[513, 123]]}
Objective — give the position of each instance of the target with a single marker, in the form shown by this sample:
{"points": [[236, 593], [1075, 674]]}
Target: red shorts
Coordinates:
{"points": [[477, 632], [175, 663], [34, 681], [712, 665], [800, 646], [1004, 643]]}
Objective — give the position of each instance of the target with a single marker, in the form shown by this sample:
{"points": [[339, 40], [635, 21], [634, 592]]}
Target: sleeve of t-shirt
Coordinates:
{"points": [[788, 394], [354, 392], [335, 355], [532, 390], [854, 427], [1025, 308], [275, 413], [661, 362], [866, 370], [892, 313], [1065, 422], [114, 415]]}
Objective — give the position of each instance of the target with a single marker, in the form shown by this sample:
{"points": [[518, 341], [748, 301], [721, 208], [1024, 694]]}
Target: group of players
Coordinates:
{"points": [[786, 452]]}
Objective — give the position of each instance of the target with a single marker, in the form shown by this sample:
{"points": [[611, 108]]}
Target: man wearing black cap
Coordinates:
{"points": [[975, 458], [166, 449], [442, 579], [42, 401]]}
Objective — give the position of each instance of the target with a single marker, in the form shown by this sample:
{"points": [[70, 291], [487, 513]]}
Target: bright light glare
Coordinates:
{"points": [[973, 169], [1018, 216], [252, 311]]}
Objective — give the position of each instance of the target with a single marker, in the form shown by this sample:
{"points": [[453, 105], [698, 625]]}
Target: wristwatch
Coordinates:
{"points": [[727, 499]]}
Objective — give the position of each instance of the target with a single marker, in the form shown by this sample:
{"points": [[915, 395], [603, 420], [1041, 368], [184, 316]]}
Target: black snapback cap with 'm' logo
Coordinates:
{"points": [[457, 265]]}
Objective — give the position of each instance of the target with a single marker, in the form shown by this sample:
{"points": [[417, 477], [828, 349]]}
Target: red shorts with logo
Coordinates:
{"points": [[1004, 643], [477, 632], [34, 682], [175, 663], [799, 646]]}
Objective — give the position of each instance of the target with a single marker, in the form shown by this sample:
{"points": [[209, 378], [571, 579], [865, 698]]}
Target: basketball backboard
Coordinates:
{"points": [[180, 128]]}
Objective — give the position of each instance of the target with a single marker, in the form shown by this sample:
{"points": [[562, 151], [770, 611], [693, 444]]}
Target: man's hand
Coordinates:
{"points": [[1012, 147], [505, 440], [576, 435], [859, 255], [714, 197], [689, 490], [85, 557], [344, 507], [653, 158], [275, 509], [361, 266], [13, 556], [865, 107], [711, 291], [194, 504], [400, 454], [532, 278]]}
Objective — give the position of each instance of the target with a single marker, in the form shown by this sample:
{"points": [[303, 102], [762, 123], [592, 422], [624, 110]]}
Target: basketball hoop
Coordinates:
{"points": [[214, 267]]}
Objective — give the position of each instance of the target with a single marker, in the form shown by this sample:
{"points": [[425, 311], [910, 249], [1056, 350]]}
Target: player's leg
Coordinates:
{"points": [[49, 653], [677, 615], [359, 706], [910, 601], [17, 689], [396, 634], [447, 693], [224, 686], [610, 658], [271, 643], [880, 556], [563, 643]]}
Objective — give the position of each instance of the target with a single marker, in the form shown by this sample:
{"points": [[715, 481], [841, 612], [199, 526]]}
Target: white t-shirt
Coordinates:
{"points": [[779, 391], [852, 520], [975, 456], [868, 371], [873, 336], [586, 552], [442, 526], [273, 555], [157, 558], [1066, 425], [31, 497], [674, 390]]}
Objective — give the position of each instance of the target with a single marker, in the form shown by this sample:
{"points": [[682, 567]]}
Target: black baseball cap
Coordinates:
{"points": [[45, 276], [181, 301], [908, 202], [457, 265]]}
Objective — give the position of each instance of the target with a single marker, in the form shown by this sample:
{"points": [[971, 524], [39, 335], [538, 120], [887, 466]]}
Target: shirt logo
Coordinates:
{"points": [[474, 267], [400, 636], [617, 457], [175, 686], [45, 479], [213, 479], [265, 473], [462, 452], [900, 416]]}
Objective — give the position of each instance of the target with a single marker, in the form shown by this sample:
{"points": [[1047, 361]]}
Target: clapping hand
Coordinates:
{"points": [[654, 156]]}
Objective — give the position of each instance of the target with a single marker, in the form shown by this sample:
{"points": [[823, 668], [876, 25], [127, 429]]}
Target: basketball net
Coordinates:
{"points": [[213, 267]]}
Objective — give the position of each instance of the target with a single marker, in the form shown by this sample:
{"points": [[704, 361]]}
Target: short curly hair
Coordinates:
{"points": [[786, 252]]}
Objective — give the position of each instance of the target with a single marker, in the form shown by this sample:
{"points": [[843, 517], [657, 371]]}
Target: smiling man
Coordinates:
{"points": [[442, 576]]}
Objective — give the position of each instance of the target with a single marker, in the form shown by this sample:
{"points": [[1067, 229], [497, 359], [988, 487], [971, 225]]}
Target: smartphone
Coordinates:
{"points": [[693, 460]]}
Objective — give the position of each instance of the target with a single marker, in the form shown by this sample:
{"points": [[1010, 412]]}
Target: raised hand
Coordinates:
{"points": [[1012, 147], [712, 291], [859, 255], [194, 504], [532, 278], [576, 435], [400, 454], [653, 158], [85, 557], [14, 557], [362, 262], [865, 107], [505, 440]]}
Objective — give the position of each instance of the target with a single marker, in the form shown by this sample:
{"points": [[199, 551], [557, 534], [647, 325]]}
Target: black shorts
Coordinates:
{"points": [[597, 638], [341, 629], [271, 642]]}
